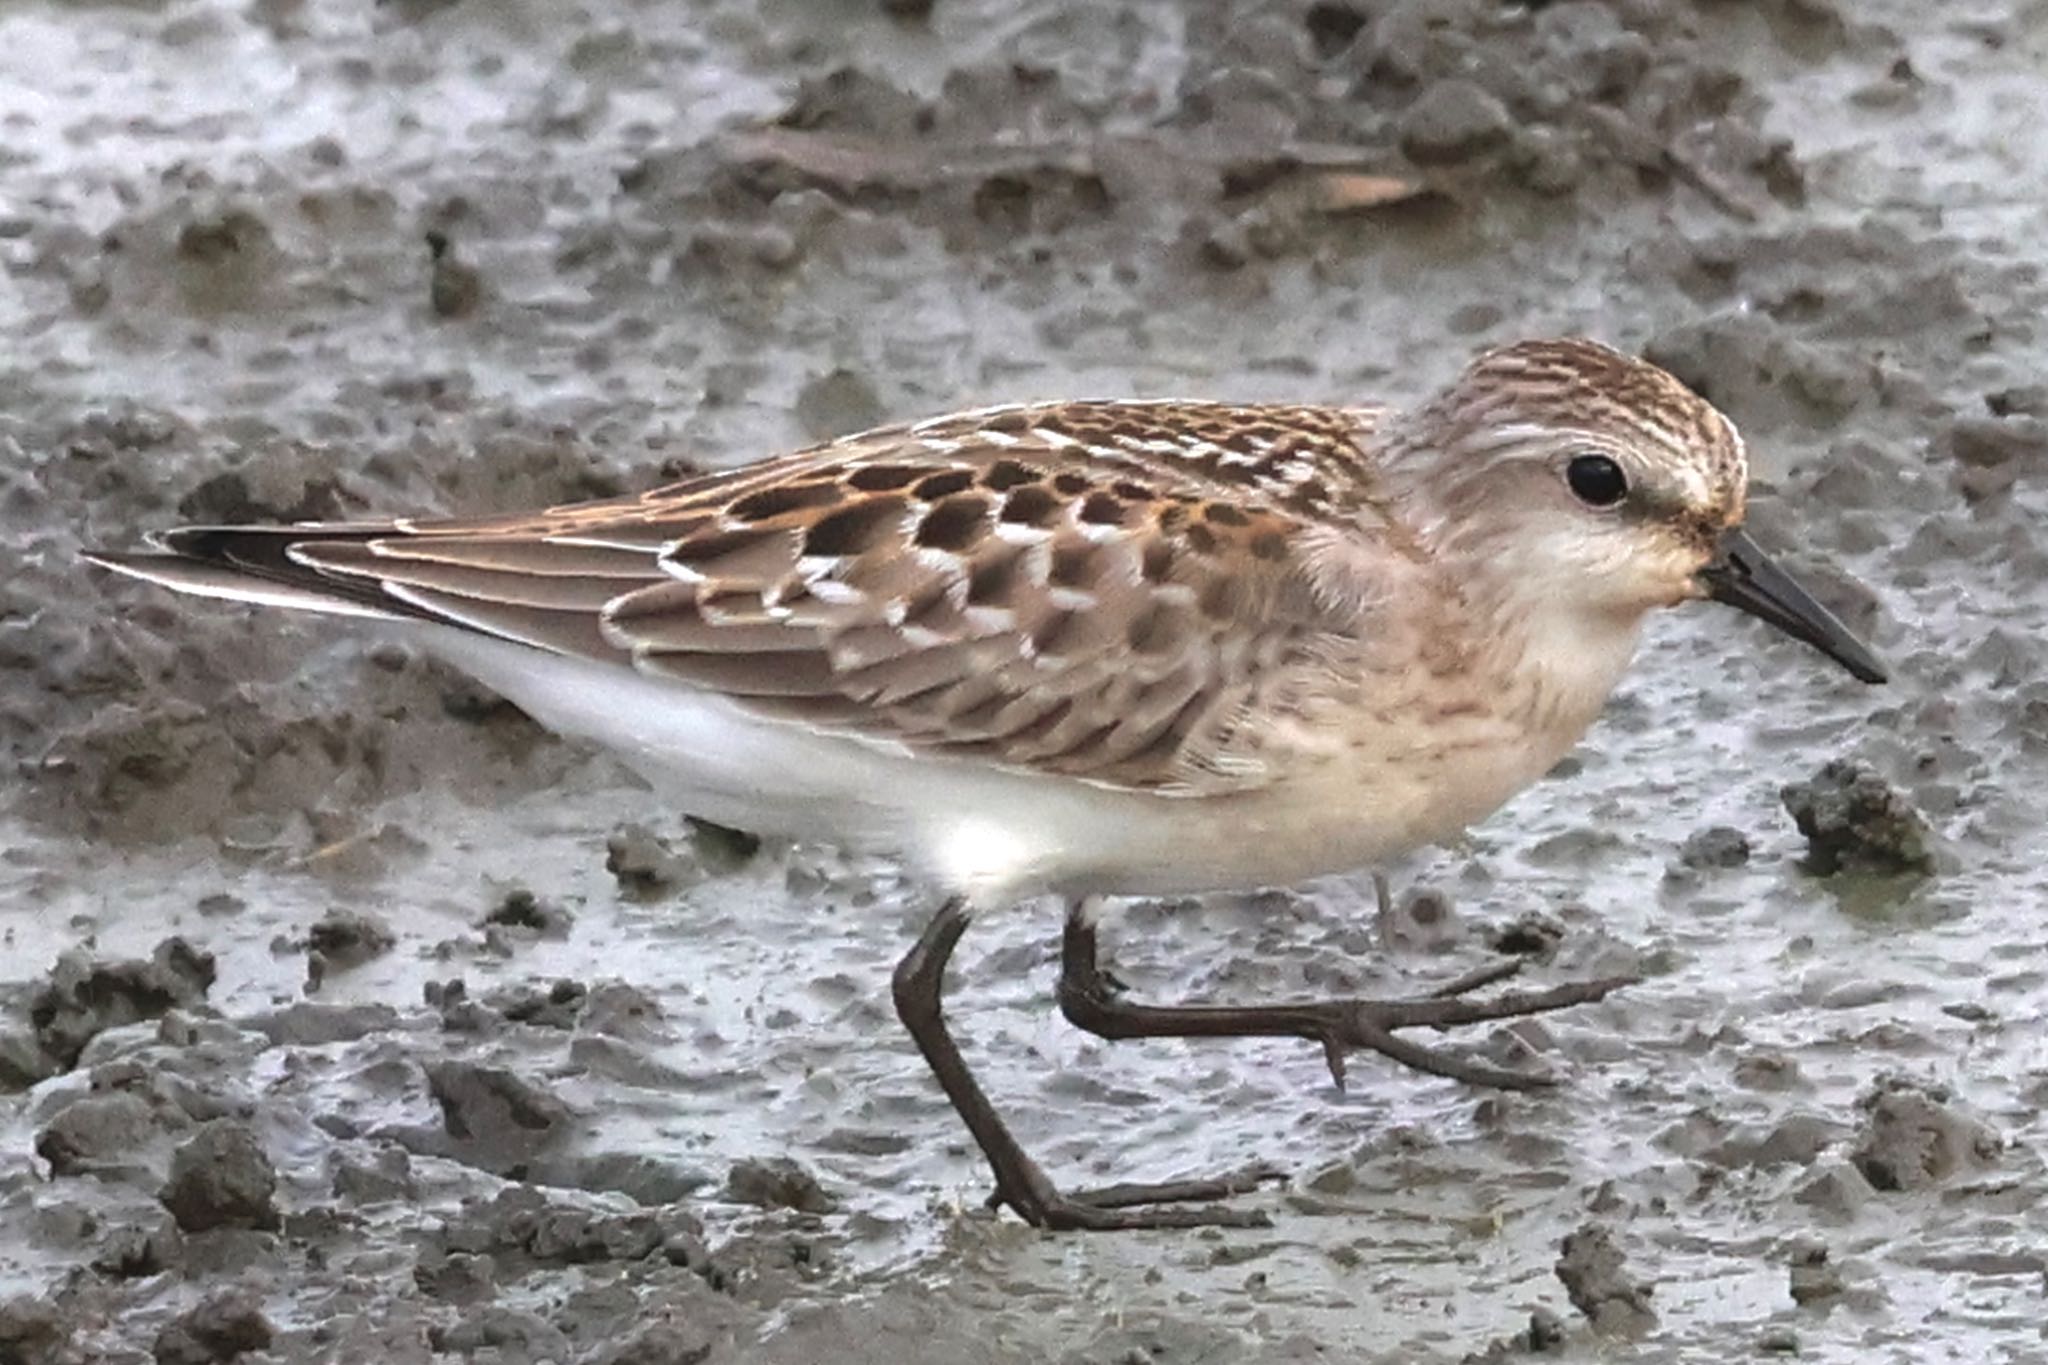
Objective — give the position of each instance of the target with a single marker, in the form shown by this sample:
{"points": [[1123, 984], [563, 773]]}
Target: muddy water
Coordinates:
{"points": [[447, 1084]]}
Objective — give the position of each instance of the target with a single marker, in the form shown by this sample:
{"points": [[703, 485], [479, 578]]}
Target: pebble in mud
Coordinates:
{"points": [[222, 1178], [1853, 820], [1597, 1279], [221, 1327], [721, 848]]}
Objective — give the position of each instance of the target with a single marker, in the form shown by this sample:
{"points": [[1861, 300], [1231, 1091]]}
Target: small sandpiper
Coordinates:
{"points": [[1100, 648]]}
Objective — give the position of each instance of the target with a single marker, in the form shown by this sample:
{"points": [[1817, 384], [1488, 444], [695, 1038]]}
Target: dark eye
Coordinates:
{"points": [[1596, 480]]}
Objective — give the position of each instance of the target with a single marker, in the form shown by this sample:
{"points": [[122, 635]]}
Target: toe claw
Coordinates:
{"points": [[1333, 1057]]}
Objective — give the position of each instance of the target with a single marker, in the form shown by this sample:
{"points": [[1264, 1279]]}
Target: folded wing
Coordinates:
{"points": [[977, 590]]}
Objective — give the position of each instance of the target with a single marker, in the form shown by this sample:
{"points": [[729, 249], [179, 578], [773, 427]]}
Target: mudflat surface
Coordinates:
{"points": [[469, 1048]]}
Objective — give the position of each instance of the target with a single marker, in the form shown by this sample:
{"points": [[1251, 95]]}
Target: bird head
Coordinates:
{"points": [[1596, 487]]}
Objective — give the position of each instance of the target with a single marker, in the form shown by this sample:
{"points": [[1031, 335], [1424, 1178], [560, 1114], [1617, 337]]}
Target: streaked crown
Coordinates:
{"points": [[1577, 394]]}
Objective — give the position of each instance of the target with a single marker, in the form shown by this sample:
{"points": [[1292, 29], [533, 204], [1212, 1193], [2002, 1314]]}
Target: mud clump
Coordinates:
{"points": [[522, 1002], [1992, 453], [500, 1333], [1572, 96], [1814, 1278], [649, 867], [1914, 1139], [454, 287], [644, 865], [83, 998], [520, 909], [139, 1250], [343, 939], [721, 848], [661, 1343], [521, 1224], [385, 1177], [1530, 934], [308, 1023], [221, 1327], [493, 1119], [348, 938], [1778, 1341], [1715, 847], [1545, 1334], [102, 1132], [618, 1010], [222, 1178], [32, 1331], [1853, 820], [776, 1183], [1597, 1279], [23, 1062], [1453, 121]]}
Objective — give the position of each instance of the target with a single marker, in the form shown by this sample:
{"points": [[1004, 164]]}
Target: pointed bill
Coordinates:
{"points": [[1744, 577]]}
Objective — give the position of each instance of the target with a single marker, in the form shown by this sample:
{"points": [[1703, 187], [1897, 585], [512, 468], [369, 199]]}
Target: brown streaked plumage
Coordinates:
{"points": [[1096, 590], [1100, 648]]}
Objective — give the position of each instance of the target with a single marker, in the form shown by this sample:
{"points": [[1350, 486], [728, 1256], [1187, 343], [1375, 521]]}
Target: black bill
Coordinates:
{"points": [[1743, 576]]}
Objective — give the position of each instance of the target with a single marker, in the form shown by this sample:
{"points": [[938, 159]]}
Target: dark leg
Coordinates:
{"points": [[1019, 1181], [1091, 1001]]}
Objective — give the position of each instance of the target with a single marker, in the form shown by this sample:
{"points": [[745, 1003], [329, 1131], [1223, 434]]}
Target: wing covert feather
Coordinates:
{"points": [[1098, 591]]}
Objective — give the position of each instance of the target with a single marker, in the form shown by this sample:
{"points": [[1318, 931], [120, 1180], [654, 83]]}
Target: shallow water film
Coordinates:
{"points": [[347, 1015]]}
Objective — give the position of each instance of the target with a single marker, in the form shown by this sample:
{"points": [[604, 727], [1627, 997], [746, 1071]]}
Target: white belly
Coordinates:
{"points": [[990, 834]]}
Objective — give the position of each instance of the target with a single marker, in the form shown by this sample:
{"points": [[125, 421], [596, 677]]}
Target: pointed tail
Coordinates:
{"points": [[255, 564]]}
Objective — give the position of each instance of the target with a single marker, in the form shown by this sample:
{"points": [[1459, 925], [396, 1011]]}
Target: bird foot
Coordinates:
{"points": [[1091, 1001], [1119, 1208], [1343, 1026]]}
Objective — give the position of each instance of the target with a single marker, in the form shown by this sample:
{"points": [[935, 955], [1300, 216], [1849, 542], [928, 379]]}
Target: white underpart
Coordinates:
{"points": [[993, 835]]}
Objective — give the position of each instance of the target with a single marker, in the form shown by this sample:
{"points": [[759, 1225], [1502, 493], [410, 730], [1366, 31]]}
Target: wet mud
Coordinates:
{"points": [[346, 1015]]}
